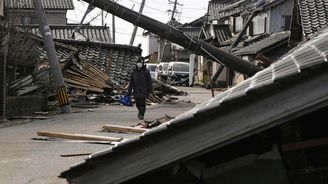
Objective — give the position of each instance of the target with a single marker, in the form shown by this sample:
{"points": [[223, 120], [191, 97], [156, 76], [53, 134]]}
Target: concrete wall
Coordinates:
{"points": [[56, 18], [25, 105], [2, 83]]}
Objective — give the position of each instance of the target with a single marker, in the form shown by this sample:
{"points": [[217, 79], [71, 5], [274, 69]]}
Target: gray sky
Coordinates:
{"points": [[156, 9]]}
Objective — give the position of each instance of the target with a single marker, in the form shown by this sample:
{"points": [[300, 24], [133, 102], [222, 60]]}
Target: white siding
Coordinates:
{"points": [[277, 14]]}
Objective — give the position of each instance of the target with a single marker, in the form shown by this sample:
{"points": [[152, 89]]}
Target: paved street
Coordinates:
{"points": [[25, 161]]}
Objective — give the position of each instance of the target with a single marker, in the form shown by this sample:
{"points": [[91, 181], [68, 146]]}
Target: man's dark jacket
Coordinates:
{"points": [[141, 84]]}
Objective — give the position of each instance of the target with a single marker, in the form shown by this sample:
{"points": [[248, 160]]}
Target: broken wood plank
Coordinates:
{"points": [[29, 117], [304, 144], [77, 136], [93, 142], [75, 155], [119, 128]]}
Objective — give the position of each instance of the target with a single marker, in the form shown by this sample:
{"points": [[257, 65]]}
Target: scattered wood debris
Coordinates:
{"points": [[75, 155], [125, 129], [29, 117], [154, 123], [41, 113], [78, 136]]}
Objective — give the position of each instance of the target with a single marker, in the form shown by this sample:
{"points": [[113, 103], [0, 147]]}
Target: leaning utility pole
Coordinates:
{"points": [[52, 57], [174, 11], [135, 26]]}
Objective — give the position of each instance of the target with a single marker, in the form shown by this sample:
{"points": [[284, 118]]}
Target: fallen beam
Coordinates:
{"points": [[78, 136], [118, 128], [305, 144], [75, 155]]}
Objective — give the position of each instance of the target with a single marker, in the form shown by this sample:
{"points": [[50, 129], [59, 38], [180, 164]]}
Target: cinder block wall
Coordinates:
{"points": [[25, 105], [2, 85]]}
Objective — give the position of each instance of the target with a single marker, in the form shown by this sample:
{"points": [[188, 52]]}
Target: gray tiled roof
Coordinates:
{"points": [[191, 31], [215, 8], [221, 32], [47, 4], [264, 43], [114, 59], [206, 119], [93, 33], [314, 15]]}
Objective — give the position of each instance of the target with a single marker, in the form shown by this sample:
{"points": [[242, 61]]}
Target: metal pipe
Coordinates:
{"points": [[172, 34]]}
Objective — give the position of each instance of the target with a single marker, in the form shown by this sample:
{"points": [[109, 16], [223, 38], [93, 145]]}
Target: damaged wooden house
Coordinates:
{"points": [[259, 131], [90, 63], [270, 128]]}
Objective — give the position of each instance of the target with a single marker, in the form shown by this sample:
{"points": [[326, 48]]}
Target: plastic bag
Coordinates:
{"points": [[126, 100]]}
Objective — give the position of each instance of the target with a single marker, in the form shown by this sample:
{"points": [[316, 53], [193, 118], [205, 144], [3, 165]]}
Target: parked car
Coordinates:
{"points": [[163, 72], [152, 67], [178, 73]]}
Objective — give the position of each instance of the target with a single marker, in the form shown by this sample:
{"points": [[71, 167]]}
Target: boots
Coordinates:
{"points": [[141, 113]]}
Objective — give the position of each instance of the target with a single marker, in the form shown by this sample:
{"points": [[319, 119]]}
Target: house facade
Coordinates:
{"points": [[252, 19], [22, 11]]}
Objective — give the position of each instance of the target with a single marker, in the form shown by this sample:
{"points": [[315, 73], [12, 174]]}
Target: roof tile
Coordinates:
{"points": [[314, 15], [47, 4]]}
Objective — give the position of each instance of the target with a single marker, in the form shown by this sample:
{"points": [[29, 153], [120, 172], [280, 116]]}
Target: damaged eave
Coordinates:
{"points": [[270, 98], [273, 41]]}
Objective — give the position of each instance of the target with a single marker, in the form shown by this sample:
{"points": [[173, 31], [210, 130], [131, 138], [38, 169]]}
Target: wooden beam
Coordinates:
{"points": [[75, 155], [118, 128], [304, 144], [77, 136]]}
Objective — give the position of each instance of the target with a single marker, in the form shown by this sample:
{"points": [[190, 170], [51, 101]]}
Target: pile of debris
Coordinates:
{"points": [[96, 72]]}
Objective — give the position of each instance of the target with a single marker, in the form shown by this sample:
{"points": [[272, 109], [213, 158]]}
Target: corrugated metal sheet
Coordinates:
{"points": [[47, 4], [314, 15], [93, 33]]}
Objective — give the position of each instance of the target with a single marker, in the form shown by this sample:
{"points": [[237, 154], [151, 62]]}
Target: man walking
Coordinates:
{"points": [[140, 86]]}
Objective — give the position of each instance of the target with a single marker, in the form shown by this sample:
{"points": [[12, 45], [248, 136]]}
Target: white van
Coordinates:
{"points": [[178, 73], [163, 72], [152, 67]]}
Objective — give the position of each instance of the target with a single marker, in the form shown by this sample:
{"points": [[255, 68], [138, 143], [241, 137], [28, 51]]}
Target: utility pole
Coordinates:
{"points": [[174, 11], [135, 26], [113, 27], [52, 57]]}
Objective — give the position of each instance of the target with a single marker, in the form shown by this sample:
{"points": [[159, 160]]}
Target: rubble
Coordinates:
{"points": [[95, 73]]}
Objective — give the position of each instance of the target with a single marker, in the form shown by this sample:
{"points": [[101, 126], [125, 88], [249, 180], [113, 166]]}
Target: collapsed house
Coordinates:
{"points": [[259, 131], [88, 68]]}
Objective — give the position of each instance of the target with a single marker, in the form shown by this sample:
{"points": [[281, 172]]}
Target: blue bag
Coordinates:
{"points": [[126, 100]]}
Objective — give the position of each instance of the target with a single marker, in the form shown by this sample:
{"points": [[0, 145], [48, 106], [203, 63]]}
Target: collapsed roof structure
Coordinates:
{"points": [[260, 128]]}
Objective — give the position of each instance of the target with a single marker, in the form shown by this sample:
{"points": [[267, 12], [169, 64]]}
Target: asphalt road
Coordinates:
{"points": [[27, 161]]}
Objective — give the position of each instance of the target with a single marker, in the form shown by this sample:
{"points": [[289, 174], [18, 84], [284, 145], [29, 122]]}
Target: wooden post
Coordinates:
{"points": [[78, 136], [118, 128]]}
